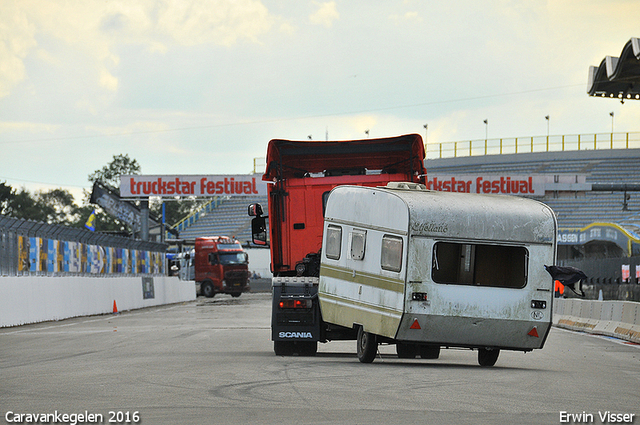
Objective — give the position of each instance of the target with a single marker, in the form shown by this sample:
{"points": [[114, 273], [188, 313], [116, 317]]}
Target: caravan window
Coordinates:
{"points": [[358, 241], [391, 255], [480, 265], [333, 244]]}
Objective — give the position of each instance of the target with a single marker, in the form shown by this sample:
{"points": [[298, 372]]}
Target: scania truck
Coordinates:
{"points": [[301, 176]]}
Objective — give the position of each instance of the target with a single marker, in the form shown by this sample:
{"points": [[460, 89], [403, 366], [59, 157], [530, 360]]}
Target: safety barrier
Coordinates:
{"points": [[619, 319], [29, 248], [34, 299]]}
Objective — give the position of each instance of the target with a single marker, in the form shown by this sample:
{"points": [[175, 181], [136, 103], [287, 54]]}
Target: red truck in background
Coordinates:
{"points": [[303, 174], [221, 266]]}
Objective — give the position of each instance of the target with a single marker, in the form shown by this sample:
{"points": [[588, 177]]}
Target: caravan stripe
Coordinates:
{"points": [[362, 278], [396, 314]]}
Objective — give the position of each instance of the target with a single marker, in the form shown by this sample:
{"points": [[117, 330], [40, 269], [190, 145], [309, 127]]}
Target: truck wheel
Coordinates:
{"points": [[367, 346], [283, 348], [406, 351], [487, 357], [207, 289], [429, 351], [236, 294]]}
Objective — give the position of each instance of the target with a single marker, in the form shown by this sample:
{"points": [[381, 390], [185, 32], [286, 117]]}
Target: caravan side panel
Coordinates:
{"points": [[363, 265]]}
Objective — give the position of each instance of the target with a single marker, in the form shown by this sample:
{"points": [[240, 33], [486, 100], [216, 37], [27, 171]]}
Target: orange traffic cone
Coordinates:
{"points": [[115, 307]]}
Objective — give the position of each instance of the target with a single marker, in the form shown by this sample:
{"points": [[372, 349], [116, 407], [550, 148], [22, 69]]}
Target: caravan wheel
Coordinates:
{"points": [[406, 351], [367, 346], [429, 351], [487, 357]]}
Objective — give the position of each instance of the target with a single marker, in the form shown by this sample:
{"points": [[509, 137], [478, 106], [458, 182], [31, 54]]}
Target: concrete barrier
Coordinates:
{"points": [[619, 319], [32, 299]]}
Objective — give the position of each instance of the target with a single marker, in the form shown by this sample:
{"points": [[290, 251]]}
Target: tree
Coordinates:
{"points": [[23, 205], [174, 210], [6, 194], [59, 206], [110, 173], [55, 206]]}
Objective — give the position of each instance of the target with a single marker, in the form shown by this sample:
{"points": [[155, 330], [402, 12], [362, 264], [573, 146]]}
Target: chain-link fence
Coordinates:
{"points": [[34, 248]]}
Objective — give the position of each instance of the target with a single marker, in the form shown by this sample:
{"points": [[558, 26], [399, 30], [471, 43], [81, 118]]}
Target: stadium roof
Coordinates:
{"points": [[617, 77]]}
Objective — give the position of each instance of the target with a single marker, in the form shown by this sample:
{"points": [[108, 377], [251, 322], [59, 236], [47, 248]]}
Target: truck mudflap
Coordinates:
{"points": [[295, 315]]}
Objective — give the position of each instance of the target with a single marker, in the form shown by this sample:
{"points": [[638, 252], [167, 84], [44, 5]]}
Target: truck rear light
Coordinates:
{"points": [[295, 303]]}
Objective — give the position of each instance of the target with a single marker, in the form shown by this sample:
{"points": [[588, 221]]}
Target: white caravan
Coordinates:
{"points": [[425, 269]]}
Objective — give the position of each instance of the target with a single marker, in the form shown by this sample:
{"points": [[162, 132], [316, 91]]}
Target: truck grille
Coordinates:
{"points": [[236, 277]]}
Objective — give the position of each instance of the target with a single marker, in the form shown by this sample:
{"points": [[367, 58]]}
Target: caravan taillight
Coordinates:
{"points": [[295, 303]]}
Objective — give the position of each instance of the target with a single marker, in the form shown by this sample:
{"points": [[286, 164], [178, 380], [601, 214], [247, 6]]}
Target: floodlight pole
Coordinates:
{"points": [[547, 118], [611, 114]]}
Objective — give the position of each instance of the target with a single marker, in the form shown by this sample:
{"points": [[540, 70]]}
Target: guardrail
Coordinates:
{"points": [[573, 142]]}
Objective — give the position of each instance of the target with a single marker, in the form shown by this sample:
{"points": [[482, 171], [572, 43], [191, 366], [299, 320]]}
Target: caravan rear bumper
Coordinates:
{"points": [[473, 332]]}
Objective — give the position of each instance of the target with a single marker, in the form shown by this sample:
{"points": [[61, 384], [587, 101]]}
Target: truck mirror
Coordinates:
{"points": [[259, 230], [255, 210]]}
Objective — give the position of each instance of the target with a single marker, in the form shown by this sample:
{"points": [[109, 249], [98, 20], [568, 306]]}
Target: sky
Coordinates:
{"points": [[201, 86]]}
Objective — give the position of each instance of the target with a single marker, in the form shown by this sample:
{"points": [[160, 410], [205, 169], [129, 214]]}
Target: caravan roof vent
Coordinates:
{"points": [[406, 186]]}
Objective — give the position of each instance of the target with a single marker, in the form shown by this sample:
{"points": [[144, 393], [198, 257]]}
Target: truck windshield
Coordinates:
{"points": [[233, 258]]}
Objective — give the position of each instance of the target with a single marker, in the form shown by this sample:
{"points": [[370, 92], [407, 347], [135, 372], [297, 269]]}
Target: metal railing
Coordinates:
{"points": [[573, 142], [35, 248], [199, 212]]}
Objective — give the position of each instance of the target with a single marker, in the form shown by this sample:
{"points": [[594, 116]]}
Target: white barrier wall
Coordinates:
{"points": [[32, 299], [619, 319], [260, 262]]}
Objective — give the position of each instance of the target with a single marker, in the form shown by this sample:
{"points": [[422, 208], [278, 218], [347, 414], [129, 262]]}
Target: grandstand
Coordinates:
{"points": [[600, 161], [227, 217], [573, 210], [602, 228]]}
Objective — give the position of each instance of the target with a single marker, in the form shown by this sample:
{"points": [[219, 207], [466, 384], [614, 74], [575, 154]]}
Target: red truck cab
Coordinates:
{"points": [[221, 266], [302, 174]]}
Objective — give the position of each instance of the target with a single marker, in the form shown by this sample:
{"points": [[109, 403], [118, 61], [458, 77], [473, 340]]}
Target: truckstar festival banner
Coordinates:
{"points": [[533, 185], [169, 186]]}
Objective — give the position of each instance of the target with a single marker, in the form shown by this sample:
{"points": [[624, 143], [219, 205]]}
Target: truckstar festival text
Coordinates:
{"points": [[190, 185]]}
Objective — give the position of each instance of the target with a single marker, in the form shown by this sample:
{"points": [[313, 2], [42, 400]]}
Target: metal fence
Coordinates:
{"points": [[34, 248], [571, 142]]}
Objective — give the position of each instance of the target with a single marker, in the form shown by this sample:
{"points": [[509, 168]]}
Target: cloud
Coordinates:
{"points": [[221, 22], [94, 29], [407, 17], [17, 38], [325, 15], [108, 81]]}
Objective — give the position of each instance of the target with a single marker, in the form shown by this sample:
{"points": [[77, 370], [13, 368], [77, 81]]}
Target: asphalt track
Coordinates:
{"points": [[211, 362]]}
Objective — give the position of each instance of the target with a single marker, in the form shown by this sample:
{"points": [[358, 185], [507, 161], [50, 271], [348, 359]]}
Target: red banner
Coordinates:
{"points": [[500, 184], [141, 186]]}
